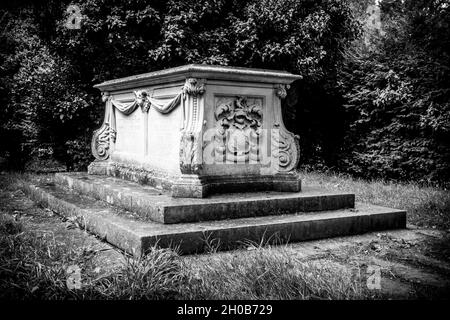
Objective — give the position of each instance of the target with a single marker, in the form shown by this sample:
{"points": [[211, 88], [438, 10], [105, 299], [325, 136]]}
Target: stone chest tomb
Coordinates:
{"points": [[201, 152], [198, 129]]}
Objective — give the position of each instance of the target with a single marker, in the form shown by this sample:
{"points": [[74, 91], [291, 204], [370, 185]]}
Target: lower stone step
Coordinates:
{"points": [[135, 236], [153, 204]]}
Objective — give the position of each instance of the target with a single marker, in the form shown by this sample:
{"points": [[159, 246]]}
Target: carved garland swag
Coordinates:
{"points": [[106, 134]]}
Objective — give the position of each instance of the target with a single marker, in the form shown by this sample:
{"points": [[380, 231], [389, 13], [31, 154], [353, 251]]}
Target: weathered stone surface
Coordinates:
{"points": [[199, 129], [193, 186], [152, 204], [134, 236]]}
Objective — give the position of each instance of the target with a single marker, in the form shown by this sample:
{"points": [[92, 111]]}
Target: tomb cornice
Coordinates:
{"points": [[212, 72]]}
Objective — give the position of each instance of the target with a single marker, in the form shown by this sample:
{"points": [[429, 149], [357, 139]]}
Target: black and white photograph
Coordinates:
{"points": [[225, 156]]}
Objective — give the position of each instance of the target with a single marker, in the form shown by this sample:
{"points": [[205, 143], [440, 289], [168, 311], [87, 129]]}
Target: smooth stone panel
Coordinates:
{"points": [[164, 140], [130, 139]]}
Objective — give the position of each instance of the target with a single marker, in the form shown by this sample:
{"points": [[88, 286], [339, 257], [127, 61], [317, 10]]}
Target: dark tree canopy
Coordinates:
{"points": [[397, 96]]}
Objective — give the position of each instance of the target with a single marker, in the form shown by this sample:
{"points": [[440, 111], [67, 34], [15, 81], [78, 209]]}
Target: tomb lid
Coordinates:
{"points": [[202, 71]]}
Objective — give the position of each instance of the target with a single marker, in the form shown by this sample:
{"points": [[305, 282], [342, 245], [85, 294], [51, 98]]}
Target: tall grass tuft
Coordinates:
{"points": [[156, 275], [268, 273]]}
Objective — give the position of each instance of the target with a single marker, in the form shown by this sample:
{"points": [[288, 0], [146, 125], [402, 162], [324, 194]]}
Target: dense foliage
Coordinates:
{"points": [[376, 112], [397, 96]]}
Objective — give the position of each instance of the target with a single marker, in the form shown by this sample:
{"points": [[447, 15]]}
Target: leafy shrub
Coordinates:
{"points": [[46, 102], [397, 98], [79, 153]]}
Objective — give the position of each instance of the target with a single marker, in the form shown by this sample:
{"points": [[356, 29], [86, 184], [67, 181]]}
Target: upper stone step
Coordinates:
{"points": [[153, 204]]}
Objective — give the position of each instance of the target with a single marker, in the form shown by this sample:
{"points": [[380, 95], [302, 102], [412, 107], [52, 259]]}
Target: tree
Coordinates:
{"points": [[397, 97]]}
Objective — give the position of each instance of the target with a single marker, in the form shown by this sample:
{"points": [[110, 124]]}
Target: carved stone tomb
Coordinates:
{"points": [[196, 155], [197, 130]]}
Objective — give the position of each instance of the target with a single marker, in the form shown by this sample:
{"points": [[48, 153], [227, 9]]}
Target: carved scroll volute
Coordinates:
{"points": [[285, 144], [103, 137], [191, 155]]}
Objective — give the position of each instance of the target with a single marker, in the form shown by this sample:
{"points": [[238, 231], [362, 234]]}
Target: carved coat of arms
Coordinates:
{"points": [[238, 126]]}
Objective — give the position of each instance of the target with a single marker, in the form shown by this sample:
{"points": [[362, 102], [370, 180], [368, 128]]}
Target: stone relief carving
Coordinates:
{"points": [[238, 126], [191, 141], [141, 98], [285, 148], [285, 144], [194, 87], [189, 156], [281, 90], [102, 138], [101, 141], [105, 96]]}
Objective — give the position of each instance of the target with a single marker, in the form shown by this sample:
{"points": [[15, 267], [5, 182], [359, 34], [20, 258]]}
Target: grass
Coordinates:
{"points": [[427, 207], [268, 273], [35, 267]]}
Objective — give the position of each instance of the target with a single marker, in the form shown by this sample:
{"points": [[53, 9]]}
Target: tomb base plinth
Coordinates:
{"points": [[194, 186], [136, 217]]}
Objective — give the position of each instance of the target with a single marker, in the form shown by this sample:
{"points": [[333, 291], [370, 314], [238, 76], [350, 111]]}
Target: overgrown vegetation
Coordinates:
{"points": [[35, 267], [427, 206], [397, 96], [271, 273]]}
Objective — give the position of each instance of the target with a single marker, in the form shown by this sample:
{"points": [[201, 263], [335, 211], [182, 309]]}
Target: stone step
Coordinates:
{"points": [[121, 229], [156, 205]]}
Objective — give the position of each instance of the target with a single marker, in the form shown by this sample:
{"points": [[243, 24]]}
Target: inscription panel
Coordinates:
{"points": [[163, 150], [130, 133]]}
